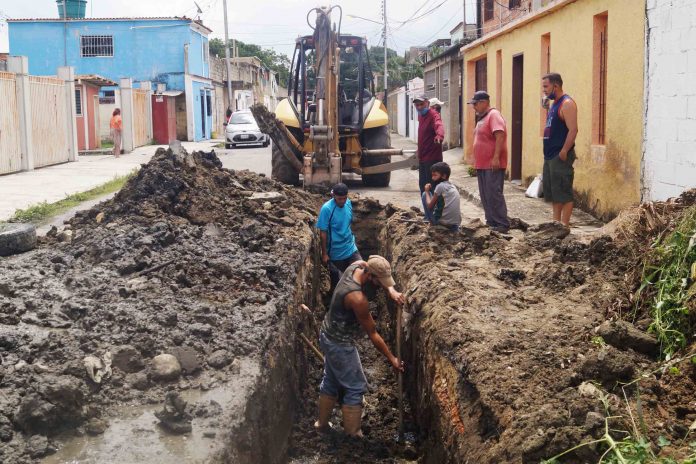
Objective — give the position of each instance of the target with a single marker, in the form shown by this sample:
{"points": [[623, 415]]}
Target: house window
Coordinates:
{"points": [[78, 102], [482, 74], [445, 75], [499, 79], [599, 71], [514, 4], [209, 104], [545, 69], [430, 81], [206, 51], [97, 45], [488, 10]]}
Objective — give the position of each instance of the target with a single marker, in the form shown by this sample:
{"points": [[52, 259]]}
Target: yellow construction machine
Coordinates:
{"points": [[331, 123]]}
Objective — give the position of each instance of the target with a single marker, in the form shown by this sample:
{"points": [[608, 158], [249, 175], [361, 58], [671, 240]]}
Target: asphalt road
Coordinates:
{"points": [[402, 191]]}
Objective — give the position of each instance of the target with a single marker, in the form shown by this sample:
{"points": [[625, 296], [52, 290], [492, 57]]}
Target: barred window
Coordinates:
{"points": [[97, 45], [78, 102]]}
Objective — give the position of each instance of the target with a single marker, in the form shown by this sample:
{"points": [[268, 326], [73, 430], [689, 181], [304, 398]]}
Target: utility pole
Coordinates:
{"points": [[384, 33], [65, 35], [227, 59]]}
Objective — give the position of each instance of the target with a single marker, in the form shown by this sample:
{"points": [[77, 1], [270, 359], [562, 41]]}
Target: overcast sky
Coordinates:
{"points": [[276, 23]]}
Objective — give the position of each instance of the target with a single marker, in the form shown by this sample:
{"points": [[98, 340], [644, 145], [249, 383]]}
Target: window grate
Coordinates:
{"points": [[97, 46], [488, 9], [78, 102], [602, 85]]}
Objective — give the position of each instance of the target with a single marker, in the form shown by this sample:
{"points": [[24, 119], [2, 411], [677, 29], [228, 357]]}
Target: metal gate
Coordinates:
{"points": [[141, 114], [49, 127], [10, 144]]}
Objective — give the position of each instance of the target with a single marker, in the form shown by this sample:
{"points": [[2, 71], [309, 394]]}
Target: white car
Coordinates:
{"points": [[241, 129]]}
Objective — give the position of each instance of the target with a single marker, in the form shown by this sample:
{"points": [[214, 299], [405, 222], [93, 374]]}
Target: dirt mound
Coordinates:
{"points": [[188, 259]]}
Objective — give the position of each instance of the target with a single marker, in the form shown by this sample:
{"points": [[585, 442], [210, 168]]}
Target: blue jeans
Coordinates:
{"points": [[431, 218], [342, 371]]}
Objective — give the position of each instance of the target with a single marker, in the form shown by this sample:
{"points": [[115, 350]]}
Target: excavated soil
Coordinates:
{"points": [[210, 266]]}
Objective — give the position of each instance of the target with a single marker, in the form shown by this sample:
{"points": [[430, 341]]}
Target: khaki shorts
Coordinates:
{"points": [[558, 179]]}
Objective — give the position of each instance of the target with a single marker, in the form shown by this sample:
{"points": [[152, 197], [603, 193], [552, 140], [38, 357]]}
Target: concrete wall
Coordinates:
{"points": [[607, 177], [151, 50], [669, 165]]}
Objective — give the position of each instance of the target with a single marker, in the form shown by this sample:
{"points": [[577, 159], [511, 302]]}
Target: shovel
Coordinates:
{"points": [[400, 374]]}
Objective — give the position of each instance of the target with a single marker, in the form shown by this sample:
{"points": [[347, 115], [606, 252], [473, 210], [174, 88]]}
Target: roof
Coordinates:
{"points": [[135, 18], [461, 23], [95, 80]]}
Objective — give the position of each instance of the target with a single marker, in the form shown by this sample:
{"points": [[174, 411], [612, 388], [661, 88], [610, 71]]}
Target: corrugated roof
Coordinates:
{"points": [[136, 18], [96, 79]]}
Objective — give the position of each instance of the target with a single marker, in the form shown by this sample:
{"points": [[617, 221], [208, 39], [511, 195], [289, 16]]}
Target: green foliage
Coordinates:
{"points": [[400, 72], [668, 285], [44, 210], [599, 341], [277, 62], [471, 171]]}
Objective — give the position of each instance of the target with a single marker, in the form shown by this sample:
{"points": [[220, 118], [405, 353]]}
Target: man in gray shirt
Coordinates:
{"points": [[441, 204]]}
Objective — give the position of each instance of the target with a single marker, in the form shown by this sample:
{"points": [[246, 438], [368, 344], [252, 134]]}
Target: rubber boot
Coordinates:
{"points": [[326, 405], [352, 416]]}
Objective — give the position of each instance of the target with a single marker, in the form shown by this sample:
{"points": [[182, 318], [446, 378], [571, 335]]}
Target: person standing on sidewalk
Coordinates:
{"points": [[431, 132], [559, 148], [116, 126], [490, 155]]}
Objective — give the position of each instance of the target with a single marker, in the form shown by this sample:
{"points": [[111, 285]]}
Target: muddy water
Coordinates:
{"points": [[135, 436]]}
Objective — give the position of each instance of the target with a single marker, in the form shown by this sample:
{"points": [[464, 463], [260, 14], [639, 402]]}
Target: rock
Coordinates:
{"points": [[608, 365], [594, 422], [127, 359], [188, 359], [6, 429], [165, 367], [139, 381], [38, 447], [96, 426], [57, 403], [589, 390], [65, 236], [267, 196], [173, 416], [16, 238], [622, 334], [219, 359], [549, 230], [99, 218]]}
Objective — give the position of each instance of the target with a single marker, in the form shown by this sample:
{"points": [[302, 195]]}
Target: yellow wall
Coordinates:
{"points": [[607, 178]]}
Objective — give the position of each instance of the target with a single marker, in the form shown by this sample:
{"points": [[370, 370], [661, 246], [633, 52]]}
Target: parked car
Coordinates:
{"points": [[241, 129]]}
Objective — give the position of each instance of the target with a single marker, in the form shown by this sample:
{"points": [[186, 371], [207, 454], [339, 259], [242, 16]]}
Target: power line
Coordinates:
{"points": [[456, 16], [415, 12], [435, 8]]}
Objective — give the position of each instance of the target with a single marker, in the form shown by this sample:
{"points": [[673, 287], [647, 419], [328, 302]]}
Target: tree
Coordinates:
{"points": [[400, 71], [277, 62]]}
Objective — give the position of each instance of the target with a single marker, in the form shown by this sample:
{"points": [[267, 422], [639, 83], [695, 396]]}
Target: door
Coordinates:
{"points": [[407, 115], [97, 123], [204, 115], [517, 105]]}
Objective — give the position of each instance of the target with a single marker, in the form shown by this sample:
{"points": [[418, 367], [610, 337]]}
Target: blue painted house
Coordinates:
{"points": [[171, 51]]}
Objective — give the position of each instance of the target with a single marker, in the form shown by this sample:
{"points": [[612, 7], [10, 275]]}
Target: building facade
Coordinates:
{"points": [[442, 76], [669, 151], [509, 63], [170, 51]]}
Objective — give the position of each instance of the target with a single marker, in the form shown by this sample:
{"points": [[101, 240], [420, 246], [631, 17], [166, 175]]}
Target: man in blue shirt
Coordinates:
{"points": [[338, 249]]}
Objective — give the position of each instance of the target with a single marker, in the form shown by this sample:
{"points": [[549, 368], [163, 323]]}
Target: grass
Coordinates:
{"points": [[668, 285], [40, 212], [107, 144]]}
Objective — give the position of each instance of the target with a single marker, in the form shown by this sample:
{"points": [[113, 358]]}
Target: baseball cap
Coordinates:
{"points": [[381, 269], [340, 189], [420, 98], [479, 96], [434, 101]]}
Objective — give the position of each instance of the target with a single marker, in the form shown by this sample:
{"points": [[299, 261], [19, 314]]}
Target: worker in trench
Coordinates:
{"points": [[348, 315]]}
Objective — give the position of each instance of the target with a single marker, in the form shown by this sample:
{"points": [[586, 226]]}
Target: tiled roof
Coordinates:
{"points": [[144, 18], [96, 79]]}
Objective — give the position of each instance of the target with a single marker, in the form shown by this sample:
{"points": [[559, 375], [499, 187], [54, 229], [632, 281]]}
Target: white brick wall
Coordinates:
{"points": [[669, 161]]}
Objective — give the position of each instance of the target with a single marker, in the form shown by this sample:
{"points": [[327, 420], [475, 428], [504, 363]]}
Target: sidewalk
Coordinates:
{"points": [[53, 183], [530, 210]]}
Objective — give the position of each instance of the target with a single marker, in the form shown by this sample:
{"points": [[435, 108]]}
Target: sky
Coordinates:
{"points": [[276, 23]]}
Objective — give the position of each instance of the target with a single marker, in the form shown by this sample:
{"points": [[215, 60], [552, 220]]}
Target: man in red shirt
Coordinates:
{"points": [[431, 132], [490, 154]]}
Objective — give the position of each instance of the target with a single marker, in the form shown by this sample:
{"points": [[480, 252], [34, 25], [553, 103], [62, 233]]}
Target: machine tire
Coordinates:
{"points": [[16, 238], [281, 169], [373, 139]]}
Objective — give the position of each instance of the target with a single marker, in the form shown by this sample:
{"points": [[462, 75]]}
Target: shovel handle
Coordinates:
{"points": [[400, 374]]}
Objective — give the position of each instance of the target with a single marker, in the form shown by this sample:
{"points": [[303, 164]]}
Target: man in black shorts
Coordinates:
{"points": [[559, 148]]}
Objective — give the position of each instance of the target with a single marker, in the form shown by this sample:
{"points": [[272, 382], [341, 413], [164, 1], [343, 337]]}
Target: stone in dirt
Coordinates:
{"points": [[622, 334], [95, 426], [188, 359], [267, 196], [608, 365], [549, 230], [173, 416], [39, 447], [57, 403], [127, 359], [165, 367], [219, 359]]}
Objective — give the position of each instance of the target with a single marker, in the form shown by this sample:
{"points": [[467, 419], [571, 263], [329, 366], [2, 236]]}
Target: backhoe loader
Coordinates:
{"points": [[331, 123]]}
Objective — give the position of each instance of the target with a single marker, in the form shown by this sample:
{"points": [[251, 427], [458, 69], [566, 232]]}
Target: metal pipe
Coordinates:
{"points": [[320, 111], [384, 152], [386, 71]]}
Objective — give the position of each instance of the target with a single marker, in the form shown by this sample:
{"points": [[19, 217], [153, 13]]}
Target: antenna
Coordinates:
{"points": [[200, 11]]}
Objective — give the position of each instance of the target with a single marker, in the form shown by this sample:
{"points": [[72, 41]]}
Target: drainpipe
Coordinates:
{"points": [[479, 23]]}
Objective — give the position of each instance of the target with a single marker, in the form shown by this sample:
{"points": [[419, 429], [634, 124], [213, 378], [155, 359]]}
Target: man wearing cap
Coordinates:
{"points": [[338, 249], [431, 132], [348, 315], [490, 155]]}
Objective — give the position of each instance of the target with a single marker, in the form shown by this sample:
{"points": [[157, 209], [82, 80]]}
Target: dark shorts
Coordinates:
{"points": [[558, 179]]}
